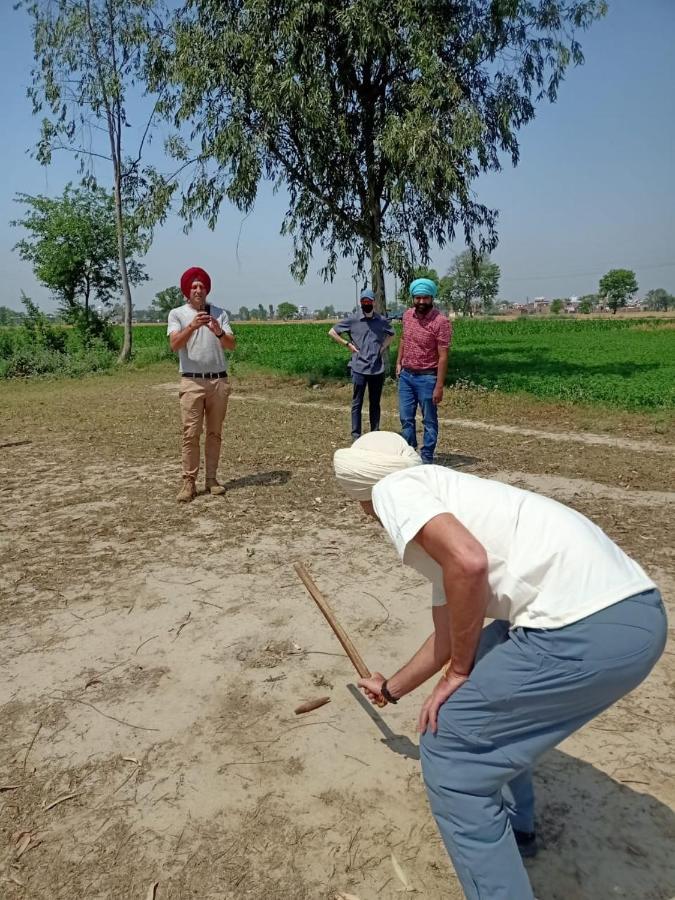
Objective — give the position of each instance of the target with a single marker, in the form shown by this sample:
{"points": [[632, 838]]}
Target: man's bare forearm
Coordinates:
{"points": [[429, 659], [467, 603], [442, 368], [179, 339], [399, 356]]}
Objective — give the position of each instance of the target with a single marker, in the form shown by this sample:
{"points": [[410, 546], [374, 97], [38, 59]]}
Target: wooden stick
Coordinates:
{"points": [[338, 630]]}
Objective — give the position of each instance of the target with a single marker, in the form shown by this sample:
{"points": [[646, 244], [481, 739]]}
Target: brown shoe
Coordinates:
{"points": [[212, 487], [188, 492]]}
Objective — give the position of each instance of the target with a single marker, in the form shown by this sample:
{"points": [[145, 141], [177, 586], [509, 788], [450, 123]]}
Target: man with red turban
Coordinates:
{"points": [[199, 333]]}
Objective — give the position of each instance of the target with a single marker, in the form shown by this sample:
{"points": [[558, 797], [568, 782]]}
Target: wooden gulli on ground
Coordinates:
{"points": [[338, 630]]}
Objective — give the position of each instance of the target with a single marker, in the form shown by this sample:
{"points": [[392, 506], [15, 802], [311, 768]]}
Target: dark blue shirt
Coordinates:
{"points": [[368, 335]]}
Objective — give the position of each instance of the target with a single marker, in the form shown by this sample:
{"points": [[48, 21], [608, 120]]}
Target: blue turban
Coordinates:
{"points": [[423, 287], [367, 294]]}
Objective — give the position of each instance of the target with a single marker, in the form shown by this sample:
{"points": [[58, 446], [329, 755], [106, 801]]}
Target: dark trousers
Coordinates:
{"points": [[374, 384]]}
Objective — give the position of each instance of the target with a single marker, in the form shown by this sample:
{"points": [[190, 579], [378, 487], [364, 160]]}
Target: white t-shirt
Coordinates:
{"points": [[548, 566], [203, 352]]}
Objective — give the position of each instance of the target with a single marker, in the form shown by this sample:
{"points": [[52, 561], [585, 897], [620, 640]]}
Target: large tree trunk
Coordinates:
{"points": [[125, 352]]}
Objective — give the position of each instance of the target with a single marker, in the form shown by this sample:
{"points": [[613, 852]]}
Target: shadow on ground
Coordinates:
{"points": [[599, 837], [456, 460], [259, 479]]}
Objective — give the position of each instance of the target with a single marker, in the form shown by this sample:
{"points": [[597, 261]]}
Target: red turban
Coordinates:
{"points": [[194, 274]]}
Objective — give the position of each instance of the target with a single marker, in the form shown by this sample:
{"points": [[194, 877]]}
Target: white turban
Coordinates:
{"points": [[370, 458]]}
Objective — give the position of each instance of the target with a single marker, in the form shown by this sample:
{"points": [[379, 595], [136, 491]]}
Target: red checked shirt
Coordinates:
{"points": [[423, 336]]}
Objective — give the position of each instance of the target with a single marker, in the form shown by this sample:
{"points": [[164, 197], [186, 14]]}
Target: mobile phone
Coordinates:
{"points": [[207, 309]]}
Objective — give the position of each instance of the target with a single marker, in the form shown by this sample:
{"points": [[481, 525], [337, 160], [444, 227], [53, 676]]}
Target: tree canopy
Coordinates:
{"points": [[166, 300], [377, 116], [659, 299], [287, 310], [72, 246], [617, 286], [470, 283]]}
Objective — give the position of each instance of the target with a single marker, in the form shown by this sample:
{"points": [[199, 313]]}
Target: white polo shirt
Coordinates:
{"points": [[203, 352], [548, 566]]}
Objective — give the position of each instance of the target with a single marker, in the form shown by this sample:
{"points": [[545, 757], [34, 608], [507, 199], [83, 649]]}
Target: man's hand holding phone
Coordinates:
{"points": [[213, 325], [202, 318]]}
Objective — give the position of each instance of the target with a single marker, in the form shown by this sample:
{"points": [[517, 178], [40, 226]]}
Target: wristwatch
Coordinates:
{"points": [[222, 334], [384, 690]]}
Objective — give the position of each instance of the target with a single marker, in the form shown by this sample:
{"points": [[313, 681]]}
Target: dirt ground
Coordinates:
{"points": [[153, 654]]}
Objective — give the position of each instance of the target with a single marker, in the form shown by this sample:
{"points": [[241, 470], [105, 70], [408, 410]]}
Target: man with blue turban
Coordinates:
{"points": [[422, 365]]}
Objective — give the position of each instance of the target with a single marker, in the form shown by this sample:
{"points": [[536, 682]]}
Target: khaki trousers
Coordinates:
{"points": [[202, 398]]}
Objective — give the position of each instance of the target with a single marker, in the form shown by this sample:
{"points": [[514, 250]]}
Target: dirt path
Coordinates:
{"points": [[575, 437], [153, 656]]}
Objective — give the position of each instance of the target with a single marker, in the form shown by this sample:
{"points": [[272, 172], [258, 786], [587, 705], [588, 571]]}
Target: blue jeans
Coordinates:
{"points": [[529, 689], [414, 390], [374, 384]]}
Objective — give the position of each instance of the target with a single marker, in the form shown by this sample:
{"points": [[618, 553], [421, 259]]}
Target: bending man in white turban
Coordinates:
{"points": [[578, 625]]}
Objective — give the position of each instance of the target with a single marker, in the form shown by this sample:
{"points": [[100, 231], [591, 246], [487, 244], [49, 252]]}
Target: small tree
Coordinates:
{"points": [[89, 54], [659, 300], [287, 310], [9, 317], [328, 312], [166, 300], [244, 313], [471, 281], [587, 303], [617, 286], [270, 311], [557, 306], [73, 248]]}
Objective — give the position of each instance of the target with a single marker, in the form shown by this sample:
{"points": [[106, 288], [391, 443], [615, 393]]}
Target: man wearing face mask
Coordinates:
{"points": [[422, 365], [370, 335]]}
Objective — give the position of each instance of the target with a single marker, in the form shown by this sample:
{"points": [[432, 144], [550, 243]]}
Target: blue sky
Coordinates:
{"points": [[594, 189]]}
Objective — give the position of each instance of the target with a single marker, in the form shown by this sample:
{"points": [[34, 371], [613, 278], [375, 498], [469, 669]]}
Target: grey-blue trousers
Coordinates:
{"points": [[529, 689]]}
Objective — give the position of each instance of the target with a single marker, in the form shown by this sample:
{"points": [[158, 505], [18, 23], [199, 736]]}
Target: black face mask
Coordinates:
{"points": [[423, 306], [367, 307]]}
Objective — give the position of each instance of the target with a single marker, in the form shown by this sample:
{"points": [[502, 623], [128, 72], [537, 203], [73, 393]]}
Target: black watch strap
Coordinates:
{"points": [[384, 690]]}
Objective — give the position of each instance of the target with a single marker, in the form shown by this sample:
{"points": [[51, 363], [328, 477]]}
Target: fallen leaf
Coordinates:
{"points": [[16, 880], [61, 799], [400, 874], [131, 759], [9, 787], [92, 681], [296, 647], [152, 891], [22, 842]]}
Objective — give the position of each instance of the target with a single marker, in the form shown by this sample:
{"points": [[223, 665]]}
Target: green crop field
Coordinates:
{"points": [[626, 364], [619, 363]]}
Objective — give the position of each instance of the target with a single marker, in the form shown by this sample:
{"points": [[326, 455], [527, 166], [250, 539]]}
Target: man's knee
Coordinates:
{"points": [[192, 431]]}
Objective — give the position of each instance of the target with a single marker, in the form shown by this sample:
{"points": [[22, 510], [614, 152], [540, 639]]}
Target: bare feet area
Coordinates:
{"points": [[153, 654]]}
